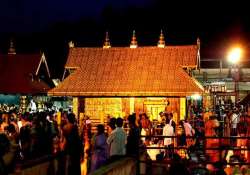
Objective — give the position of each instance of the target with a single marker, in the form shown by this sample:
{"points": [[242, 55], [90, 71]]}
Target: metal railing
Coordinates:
{"points": [[220, 146]]}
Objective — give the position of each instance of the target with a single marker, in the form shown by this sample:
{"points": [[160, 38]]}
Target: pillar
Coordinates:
{"points": [[75, 105], [23, 104], [132, 105], [182, 108]]}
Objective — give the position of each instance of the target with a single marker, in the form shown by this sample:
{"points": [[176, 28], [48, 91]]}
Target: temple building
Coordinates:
{"points": [[118, 81], [23, 75]]}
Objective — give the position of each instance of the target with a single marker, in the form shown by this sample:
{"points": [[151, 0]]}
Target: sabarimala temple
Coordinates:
{"points": [[118, 81]]}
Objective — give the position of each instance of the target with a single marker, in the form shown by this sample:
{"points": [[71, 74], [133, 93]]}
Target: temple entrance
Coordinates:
{"points": [[153, 106]]}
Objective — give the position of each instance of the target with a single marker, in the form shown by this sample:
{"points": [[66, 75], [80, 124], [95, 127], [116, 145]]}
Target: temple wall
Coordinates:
{"points": [[99, 108]]}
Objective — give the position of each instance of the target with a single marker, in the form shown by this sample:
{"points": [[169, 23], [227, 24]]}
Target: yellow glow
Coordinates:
{"points": [[132, 105], [75, 106], [98, 108], [59, 118], [234, 55], [182, 108]]}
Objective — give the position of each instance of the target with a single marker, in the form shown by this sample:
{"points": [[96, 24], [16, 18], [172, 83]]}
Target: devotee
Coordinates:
{"points": [[100, 149], [133, 140], [189, 132], [242, 132], [168, 130], [145, 125], [72, 147], [210, 127], [5, 121], [171, 121], [235, 118], [117, 141]]}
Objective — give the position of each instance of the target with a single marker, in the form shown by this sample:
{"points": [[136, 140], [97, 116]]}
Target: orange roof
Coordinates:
{"points": [[147, 71], [185, 56]]}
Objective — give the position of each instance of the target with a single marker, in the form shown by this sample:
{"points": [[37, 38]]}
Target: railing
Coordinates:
{"points": [[47, 164], [220, 147]]}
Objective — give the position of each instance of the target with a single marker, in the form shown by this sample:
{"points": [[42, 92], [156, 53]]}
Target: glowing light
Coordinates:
{"points": [[196, 97], [234, 55]]}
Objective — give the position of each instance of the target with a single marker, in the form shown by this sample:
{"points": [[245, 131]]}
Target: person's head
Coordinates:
{"points": [[119, 122], [71, 118], [143, 116], [181, 122], [112, 123], [170, 116], [161, 114], [100, 129], [167, 120], [11, 129], [25, 116], [131, 120], [219, 165]]}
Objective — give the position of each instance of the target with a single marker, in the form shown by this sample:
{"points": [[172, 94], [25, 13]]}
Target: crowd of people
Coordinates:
{"points": [[32, 135]]}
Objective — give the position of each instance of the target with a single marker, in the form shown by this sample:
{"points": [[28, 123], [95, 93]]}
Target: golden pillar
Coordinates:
{"points": [[23, 104], [132, 105], [182, 108], [75, 105]]}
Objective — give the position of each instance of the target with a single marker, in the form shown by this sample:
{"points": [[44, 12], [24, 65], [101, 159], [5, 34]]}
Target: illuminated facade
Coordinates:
{"points": [[117, 81]]}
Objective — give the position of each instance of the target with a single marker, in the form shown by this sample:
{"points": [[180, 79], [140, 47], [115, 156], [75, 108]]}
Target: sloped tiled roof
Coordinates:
{"points": [[16, 73], [147, 71], [185, 56]]}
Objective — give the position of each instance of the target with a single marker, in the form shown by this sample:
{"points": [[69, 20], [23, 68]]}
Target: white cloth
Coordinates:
{"points": [[188, 129], [117, 141], [168, 130], [19, 124], [235, 120]]}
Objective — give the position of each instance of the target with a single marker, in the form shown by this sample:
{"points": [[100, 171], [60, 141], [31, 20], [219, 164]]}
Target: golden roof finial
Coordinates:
{"points": [[198, 43], [133, 43], [106, 43], [71, 44], [12, 49], [198, 53], [161, 42]]}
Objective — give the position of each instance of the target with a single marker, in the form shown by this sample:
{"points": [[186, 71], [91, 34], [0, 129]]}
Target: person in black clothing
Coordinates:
{"points": [[72, 147], [133, 140], [4, 148]]}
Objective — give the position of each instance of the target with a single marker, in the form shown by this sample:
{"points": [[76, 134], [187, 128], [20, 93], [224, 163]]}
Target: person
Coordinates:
{"points": [[133, 139], [226, 131], [8, 152], [111, 125], [235, 118], [210, 127], [177, 166], [32, 106], [171, 121], [117, 141], [219, 167], [168, 130], [4, 148], [189, 132], [145, 125], [72, 146], [100, 149], [242, 131], [182, 141]]}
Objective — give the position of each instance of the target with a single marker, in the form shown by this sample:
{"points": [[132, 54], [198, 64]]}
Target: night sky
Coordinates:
{"points": [[48, 25]]}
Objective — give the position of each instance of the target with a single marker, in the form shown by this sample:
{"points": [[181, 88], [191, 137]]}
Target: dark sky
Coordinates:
{"points": [[48, 25]]}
